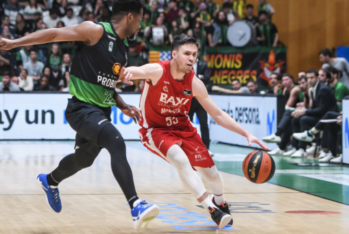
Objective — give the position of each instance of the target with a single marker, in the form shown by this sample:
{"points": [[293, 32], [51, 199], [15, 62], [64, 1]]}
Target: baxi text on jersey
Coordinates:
{"points": [[107, 82], [164, 98]]}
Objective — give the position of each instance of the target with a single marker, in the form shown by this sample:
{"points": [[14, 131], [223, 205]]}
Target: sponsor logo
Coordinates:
{"points": [[116, 68], [271, 66], [171, 111], [165, 89], [111, 45], [198, 157], [99, 123], [270, 123], [166, 82], [187, 92], [253, 170], [164, 98], [110, 37], [346, 133], [108, 82]]}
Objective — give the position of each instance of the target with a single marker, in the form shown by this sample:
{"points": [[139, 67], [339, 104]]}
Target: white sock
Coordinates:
{"points": [[51, 186], [219, 199], [207, 203], [136, 202]]}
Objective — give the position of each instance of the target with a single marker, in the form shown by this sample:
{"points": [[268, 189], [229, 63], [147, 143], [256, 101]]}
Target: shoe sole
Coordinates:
{"points": [[271, 141], [147, 216], [224, 221], [300, 139], [39, 184]]}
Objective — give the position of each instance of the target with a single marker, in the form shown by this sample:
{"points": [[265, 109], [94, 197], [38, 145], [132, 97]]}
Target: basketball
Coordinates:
{"points": [[258, 167]]}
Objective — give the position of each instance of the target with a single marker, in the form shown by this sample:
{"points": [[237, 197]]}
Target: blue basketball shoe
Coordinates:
{"points": [[142, 214], [52, 194]]}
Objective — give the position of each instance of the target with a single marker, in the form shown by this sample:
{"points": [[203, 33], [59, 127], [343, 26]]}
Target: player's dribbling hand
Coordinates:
{"points": [[132, 112], [125, 76], [252, 139], [6, 44]]}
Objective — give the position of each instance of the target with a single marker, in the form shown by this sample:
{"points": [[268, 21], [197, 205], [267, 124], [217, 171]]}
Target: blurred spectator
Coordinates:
{"points": [[7, 63], [134, 56], [61, 5], [23, 56], [145, 22], [267, 33], [5, 21], [99, 4], [66, 80], [340, 90], [60, 24], [21, 26], [91, 17], [66, 63], [70, 19], [55, 58], [264, 6], [203, 17], [173, 11], [324, 76], [183, 22], [276, 84], [186, 4], [38, 24], [228, 12], [149, 32], [51, 19], [199, 34], [249, 15], [154, 14], [212, 8], [175, 30], [25, 81], [217, 32], [34, 67], [326, 57], [239, 8], [7, 85], [162, 5], [83, 15], [301, 73], [30, 9], [6, 33], [12, 9], [55, 77], [104, 15], [236, 85], [141, 85], [43, 84], [195, 12], [15, 80], [253, 87]]}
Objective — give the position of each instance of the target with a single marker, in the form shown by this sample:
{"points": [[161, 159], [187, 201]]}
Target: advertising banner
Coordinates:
{"points": [[257, 114], [345, 130]]}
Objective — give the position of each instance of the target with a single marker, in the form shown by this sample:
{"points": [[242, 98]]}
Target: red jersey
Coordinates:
{"points": [[167, 104]]}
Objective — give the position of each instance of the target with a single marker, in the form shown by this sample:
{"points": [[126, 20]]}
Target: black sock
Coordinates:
{"points": [[132, 200], [51, 181]]}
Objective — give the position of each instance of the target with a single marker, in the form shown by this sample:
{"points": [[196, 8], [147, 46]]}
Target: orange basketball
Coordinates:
{"points": [[258, 167]]}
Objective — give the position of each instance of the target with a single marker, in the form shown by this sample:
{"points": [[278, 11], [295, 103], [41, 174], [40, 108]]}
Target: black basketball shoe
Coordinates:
{"points": [[225, 208], [220, 218]]}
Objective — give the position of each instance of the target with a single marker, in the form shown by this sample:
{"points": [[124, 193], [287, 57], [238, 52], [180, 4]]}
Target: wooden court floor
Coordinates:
{"points": [[93, 202]]}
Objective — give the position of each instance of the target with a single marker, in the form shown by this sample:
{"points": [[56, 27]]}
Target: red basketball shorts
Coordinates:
{"points": [[159, 140]]}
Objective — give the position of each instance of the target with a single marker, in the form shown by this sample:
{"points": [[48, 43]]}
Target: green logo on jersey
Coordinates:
{"points": [[109, 98], [111, 46]]}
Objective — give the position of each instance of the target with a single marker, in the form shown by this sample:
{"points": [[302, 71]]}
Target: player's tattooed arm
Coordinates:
{"points": [[128, 110], [221, 117], [87, 32], [150, 72]]}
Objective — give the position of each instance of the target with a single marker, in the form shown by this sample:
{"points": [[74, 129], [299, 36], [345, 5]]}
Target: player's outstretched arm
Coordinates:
{"points": [[221, 118], [151, 72], [87, 32]]}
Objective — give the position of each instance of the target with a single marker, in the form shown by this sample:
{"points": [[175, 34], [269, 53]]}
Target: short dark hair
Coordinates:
{"points": [[236, 80], [249, 6], [32, 50], [251, 80], [123, 7], [287, 74], [302, 78], [326, 52], [278, 77], [183, 39], [328, 73], [333, 70], [312, 70], [44, 76], [26, 71], [69, 9], [6, 73], [262, 13]]}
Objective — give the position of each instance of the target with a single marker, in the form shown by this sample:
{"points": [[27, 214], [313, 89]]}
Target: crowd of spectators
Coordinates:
{"points": [[162, 20]]}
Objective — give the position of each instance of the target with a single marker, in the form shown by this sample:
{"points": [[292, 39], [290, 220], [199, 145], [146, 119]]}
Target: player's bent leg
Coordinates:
{"points": [[84, 155], [111, 139], [216, 184], [192, 182]]}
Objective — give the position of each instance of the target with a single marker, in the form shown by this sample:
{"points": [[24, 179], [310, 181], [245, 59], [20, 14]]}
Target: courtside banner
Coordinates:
{"points": [[345, 130], [257, 114], [41, 116]]}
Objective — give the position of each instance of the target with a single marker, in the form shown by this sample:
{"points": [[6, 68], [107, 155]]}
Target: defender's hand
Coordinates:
{"points": [[252, 139], [125, 76], [6, 44], [132, 112]]}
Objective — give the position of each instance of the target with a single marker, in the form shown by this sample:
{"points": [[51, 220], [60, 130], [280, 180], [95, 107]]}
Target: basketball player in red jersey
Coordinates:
{"points": [[167, 131]]}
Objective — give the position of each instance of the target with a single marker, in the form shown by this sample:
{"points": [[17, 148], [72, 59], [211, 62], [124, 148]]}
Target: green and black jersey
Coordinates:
{"points": [[95, 69]]}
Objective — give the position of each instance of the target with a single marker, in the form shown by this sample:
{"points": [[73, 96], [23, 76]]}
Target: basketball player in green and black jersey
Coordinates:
{"points": [[94, 73]]}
